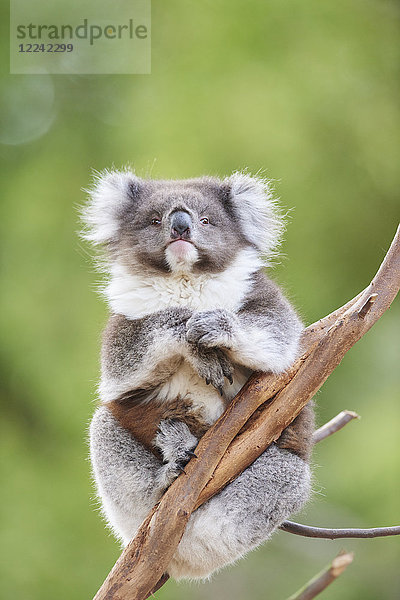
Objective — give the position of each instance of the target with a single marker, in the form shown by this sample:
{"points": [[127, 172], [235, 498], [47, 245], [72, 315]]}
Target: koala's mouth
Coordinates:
{"points": [[180, 239], [181, 252]]}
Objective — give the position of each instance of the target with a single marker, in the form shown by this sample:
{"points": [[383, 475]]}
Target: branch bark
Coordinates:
{"points": [[321, 581], [257, 416]]}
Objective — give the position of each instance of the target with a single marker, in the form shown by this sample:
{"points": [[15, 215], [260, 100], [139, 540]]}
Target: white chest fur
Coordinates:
{"points": [[136, 296], [186, 384]]}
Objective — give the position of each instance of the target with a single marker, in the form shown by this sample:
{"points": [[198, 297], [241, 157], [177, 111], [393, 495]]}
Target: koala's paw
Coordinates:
{"points": [[176, 443], [213, 366], [175, 319], [211, 328]]}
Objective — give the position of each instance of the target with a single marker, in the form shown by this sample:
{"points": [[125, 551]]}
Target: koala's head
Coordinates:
{"points": [[192, 225]]}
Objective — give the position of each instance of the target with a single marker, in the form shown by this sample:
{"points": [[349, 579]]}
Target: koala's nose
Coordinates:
{"points": [[180, 224]]}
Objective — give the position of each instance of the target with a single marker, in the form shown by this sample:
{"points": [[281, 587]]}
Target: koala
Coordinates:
{"points": [[193, 314]]}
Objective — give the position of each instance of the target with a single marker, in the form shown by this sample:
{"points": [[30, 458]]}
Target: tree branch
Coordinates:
{"points": [[325, 343], [334, 425], [320, 434], [221, 458], [335, 534], [321, 581]]}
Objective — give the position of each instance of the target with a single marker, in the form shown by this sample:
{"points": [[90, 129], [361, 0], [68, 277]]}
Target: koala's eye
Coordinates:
{"points": [[156, 222], [204, 220]]}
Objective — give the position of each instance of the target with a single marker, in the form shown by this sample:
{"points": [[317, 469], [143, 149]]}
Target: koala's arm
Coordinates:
{"points": [[142, 353], [262, 335], [139, 355]]}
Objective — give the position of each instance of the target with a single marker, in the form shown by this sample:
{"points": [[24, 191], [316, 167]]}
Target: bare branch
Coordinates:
{"points": [[321, 581], [334, 425], [220, 459], [336, 534], [320, 434]]}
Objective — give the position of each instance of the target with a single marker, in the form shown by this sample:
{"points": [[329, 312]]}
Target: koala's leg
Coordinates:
{"points": [[129, 478], [243, 515]]}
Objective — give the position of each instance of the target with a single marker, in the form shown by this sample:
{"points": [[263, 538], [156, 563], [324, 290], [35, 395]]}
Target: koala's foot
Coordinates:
{"points": [[213, 366], [211, 328], [176, 443]]}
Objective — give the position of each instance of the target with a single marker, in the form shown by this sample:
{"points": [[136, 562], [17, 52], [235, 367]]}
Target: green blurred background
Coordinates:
{"points": [[306, 91]]}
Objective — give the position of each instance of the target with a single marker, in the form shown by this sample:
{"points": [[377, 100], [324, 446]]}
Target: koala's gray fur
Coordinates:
{"points": [[193, 315]]}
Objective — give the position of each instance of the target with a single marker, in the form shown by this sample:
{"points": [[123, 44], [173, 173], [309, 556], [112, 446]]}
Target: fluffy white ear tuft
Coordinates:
{"points": [[258, 212], [111, 194]]}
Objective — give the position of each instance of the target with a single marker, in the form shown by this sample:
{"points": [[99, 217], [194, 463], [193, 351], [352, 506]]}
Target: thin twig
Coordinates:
{"points": [[320, 434], [334, 425], [335, 534], [321, 581]]}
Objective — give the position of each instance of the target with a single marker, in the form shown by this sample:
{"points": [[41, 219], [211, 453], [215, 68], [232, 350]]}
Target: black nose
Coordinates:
{"points": [[180, 224]]}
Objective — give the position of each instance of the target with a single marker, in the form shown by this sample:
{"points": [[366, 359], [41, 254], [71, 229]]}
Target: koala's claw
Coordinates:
{"points": [[182, 462], [213, 366], [191, 453], [226, 366]]}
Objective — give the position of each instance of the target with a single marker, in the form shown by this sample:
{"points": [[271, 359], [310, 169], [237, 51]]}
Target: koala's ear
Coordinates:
{"points": [[112, 193], [256, 210]]}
